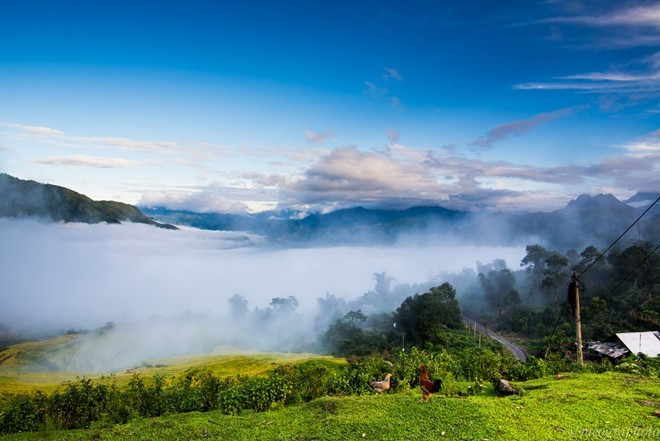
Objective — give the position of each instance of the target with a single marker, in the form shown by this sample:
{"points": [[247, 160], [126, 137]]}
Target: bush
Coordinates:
{"points": [[147, 400], [79, 404], [195, 391], [231, 399], [530, 369], [24, 413], [354, 378]]}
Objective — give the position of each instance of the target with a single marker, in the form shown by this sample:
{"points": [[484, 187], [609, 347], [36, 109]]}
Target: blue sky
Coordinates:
{"points": [[319, 105]]}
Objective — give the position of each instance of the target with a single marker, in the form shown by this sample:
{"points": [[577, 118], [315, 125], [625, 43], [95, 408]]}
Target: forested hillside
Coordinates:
{"points": [[30, 199]]}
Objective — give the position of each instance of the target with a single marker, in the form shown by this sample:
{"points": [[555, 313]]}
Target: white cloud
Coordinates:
{"points": [[37, 132], [374, 90], [202, 202], [395, 176], [646, 146], [393, 136], [321, 137], [620, 82], [86, 161], [130, 144], [391, 73], [517, 128], [635, 16], [611, 26]]}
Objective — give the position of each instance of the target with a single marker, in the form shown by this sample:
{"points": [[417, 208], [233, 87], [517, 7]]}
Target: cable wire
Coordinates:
{"points": [[633, 272], [619, 238]]}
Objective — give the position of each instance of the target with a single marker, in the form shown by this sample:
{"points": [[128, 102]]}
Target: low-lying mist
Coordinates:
{"points": [[167, 292]]}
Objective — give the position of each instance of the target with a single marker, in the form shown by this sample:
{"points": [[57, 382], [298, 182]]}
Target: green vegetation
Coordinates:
{"points": [[32, 199], [88, 404], [23, 381], [304, 396], [568, 406], [620, 292]]}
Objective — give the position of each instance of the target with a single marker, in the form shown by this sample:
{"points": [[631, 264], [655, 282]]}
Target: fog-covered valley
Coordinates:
{"points": [[165, 292]]}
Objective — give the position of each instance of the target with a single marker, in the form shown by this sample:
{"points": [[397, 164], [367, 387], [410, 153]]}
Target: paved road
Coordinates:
{"points": [[517, 351]]}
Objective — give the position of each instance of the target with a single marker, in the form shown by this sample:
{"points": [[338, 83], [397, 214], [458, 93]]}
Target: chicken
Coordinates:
{"points": [[428, 387], [381, 386]]}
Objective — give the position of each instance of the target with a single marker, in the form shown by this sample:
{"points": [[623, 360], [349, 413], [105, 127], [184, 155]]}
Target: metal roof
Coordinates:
{"points": [[648, 343], [614, 350]]}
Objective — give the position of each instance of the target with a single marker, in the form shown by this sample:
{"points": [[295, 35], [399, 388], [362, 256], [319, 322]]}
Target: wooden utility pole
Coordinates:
{"points": [[575, 282]]}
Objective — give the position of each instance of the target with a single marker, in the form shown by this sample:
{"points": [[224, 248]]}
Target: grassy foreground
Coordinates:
{"points": [[571, 406]]}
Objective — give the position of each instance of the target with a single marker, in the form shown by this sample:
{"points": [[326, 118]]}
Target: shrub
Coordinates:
{"points": [[530, 369], [231, 399], [354, 378], [24, 413], [195, 391], [80, 404], [146, 400]]}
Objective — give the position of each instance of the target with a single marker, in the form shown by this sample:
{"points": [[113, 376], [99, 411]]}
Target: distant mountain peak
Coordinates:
{"points": [[599, 201], [642, 199]]}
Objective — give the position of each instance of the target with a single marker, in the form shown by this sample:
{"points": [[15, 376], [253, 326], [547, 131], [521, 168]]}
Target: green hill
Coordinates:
{"points": [[21, 199]]}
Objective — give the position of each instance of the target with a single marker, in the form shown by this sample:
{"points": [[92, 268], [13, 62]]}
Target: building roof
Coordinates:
{"points": [[648, 343], [614, 350]]}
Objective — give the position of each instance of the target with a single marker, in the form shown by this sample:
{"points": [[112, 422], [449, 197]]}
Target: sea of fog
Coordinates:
{"points": [[79, 275]]}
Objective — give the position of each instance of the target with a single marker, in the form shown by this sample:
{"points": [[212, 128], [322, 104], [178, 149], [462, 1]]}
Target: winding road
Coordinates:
{"points": [[516, 350]]}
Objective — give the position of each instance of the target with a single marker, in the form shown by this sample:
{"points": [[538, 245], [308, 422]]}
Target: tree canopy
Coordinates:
{"points": [[423, 317]]}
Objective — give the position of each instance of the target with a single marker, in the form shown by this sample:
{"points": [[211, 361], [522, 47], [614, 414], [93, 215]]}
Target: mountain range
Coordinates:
{"points": [[587, 220]]}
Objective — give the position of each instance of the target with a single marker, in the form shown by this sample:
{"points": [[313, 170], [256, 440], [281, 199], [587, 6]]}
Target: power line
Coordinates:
{"points": [[650, 282], [622, 234], [633, 272]]}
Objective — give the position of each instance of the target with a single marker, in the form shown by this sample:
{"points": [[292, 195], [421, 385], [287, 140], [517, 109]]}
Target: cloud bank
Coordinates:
{"points": [[79, 275], [394, 175]]}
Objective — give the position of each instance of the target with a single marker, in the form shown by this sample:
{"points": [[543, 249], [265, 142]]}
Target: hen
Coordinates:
{"points": [[381, 386], [427, 385]]}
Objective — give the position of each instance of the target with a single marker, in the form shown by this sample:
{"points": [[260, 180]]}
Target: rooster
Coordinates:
{"points": [[381, 386], [428, 387]]}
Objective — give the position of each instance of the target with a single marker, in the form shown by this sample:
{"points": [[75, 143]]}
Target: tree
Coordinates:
{"points": [[346, 337], [497, 286], [355, 317], [589, 256], [281, 305], [637, 264], [383, 283], [423, 317], [534, 262], [238, 306], [597, 319], [555, 275], [330, 309]]}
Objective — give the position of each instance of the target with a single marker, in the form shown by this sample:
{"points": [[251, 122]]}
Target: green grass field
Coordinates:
{"points": [[589, 406], [573, 406]]}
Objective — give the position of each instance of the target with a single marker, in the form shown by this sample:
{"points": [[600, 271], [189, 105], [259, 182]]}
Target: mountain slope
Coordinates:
{"points": [[597, 220], [20, 198]]}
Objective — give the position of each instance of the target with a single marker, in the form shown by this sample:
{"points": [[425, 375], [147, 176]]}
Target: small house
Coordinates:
{"points": [[624, 343]]}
